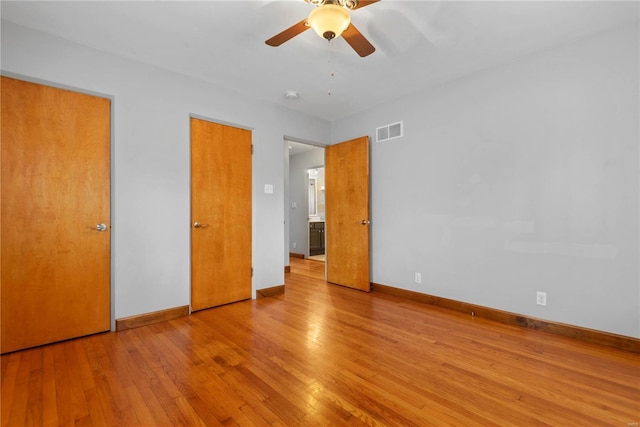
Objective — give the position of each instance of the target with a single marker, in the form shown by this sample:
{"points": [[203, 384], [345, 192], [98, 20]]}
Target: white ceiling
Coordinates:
{"points": [[419, 44]]}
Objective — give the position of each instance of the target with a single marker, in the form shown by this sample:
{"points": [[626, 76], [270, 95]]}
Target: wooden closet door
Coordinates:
{"points": [[55, 218], [220, 214]]}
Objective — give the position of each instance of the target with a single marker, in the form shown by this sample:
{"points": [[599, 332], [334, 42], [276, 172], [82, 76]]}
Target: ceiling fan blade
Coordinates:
{"points": [[357, 41], [288, 34], [363, 3]]}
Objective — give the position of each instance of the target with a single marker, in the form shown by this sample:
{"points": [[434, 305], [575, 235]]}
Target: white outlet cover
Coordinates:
{"points": [[541, 298]]}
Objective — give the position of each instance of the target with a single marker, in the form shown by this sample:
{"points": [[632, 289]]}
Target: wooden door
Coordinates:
{"points": [[220, 214], [55, 191], [347, 213]]}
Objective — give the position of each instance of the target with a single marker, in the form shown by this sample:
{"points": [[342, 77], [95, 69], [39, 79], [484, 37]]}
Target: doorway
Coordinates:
{"points": [[347, 222], [304, 200]]}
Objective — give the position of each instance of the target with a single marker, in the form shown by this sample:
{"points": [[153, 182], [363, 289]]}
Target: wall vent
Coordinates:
{"points": [[388, 132]]}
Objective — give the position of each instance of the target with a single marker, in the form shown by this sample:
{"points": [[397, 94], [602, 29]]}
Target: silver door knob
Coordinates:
{"points": [[199, 225], [364, 222], [101, 227]]}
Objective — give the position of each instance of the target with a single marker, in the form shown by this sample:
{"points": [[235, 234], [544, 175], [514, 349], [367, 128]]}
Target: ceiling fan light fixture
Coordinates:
{"points": [[329, 20]]}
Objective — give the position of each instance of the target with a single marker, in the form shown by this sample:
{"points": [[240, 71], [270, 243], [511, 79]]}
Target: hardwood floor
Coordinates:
{"points": [[322, 355]]}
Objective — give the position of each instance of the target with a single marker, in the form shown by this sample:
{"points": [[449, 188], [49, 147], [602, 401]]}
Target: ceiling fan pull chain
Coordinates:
{"points": [[331, 73]]}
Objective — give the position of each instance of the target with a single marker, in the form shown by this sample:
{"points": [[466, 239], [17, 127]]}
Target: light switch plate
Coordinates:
{"points": [[268, 188]]}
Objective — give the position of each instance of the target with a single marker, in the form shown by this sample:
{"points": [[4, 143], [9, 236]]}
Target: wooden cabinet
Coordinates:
{"points": [[316, 238]]}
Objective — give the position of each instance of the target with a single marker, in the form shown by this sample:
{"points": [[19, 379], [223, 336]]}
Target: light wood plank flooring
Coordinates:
{"points": [[322, 355]]}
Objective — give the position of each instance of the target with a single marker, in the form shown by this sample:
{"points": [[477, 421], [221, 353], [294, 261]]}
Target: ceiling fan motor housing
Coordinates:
{"points": [[349, 4]]}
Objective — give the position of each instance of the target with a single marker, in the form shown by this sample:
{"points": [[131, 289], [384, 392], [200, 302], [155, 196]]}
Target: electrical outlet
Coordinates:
{"points": [[541, 298], [418, 278], [294, 245]]}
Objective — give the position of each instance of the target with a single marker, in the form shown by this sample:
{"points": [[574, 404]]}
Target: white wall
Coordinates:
{"points": [[150, 158], [518, 179]]}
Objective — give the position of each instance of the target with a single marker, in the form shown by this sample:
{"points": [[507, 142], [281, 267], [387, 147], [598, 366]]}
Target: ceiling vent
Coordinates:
{"points": [[388, 132]]}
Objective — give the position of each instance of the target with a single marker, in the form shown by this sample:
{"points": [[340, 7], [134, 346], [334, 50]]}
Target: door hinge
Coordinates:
{"points": [[253, 148], [251, 271]]}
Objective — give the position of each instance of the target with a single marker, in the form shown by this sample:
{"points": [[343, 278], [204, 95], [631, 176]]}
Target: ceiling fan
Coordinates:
{"points": [[330, 19]]}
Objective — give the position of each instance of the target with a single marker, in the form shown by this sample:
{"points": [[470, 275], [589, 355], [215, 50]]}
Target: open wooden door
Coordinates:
{"points": [[220, 214], [55, 279], [347, 213]]}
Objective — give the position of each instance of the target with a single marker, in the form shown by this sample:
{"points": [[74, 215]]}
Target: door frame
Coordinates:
{"points": [[111, 98], [253, 216]]}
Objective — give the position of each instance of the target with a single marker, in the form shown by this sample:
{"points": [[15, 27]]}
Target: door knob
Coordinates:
{"points": [[364, 222], [199, 225], [99, 227]]}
